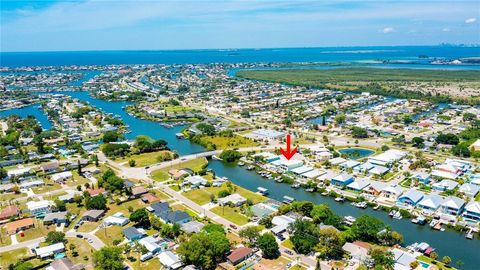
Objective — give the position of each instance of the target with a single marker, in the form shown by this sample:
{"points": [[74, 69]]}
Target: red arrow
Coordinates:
{"points": [[288, 154]]}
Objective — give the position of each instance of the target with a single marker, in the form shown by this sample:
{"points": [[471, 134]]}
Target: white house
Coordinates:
{"points": [[116, 219], [170, 260], [49, 251], [195, 180], [62, 176], [470, 190], [430, 202], [39, 208], [472, 211], [452, 205], [235, 199]]}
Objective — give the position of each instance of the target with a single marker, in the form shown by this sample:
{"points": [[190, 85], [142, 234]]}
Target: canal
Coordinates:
{"points": [[449, 243]]}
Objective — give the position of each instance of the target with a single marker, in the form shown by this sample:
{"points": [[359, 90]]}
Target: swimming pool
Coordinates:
{"points": [[424, 264]]}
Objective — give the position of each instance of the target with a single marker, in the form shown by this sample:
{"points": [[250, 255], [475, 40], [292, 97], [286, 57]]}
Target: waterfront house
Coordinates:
{"points": [[342, 180], [391, 192], [472, 211], [430, 202], [422, 177], [452, 205], [411, 197], [39, 208], [358, 185], [132, 234], [55, 218], [267, 156], [9, 211], [402, 259], [239, 255], [195, 181], [93, 215], [19, 225], [302, 170], [234, 199], [49, 251], [469, 190], [375, 188], [445, 185], [313, 174], [288, 164]]}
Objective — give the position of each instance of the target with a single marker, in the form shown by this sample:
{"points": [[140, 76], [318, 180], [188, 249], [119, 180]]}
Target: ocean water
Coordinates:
{"points": [[326, 54]]}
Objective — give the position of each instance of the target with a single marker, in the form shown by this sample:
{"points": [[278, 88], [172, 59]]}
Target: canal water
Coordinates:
{"points": [[448, 243], [30, 110]]}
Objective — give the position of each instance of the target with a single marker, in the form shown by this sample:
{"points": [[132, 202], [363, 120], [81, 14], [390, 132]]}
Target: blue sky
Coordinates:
{"points": [[150, 25]]}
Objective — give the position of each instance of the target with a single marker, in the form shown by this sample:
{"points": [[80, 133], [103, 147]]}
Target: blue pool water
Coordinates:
{"points": [[356, 153]]}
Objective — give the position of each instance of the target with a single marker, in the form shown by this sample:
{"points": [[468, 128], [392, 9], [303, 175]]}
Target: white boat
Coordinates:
{"points": [[324, 193], [241, 164], [362, 205], [310, 189], [339, 199], [349, 220], [216, 157], [469, 234], [397, 215], [296, 185], [287, 199], [262, 190]]}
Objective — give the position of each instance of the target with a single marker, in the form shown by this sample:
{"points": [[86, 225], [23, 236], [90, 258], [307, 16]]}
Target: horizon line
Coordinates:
{"points": [[248, 48]]}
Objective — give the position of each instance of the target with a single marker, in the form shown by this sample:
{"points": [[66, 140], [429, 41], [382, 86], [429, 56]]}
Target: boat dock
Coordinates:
{"points": [[287, 199]]}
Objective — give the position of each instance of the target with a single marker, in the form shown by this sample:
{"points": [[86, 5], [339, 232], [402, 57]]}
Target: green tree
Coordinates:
{"points": [[358, 132], [321, 213], [303, 235], [55, 237], [140, 216], [366, 228], [60, 205], [418, 142], [132, 162], [250, 234], [446, 260], [204, 249], [461, 150], [206, 129], [447, 138], [269, 246], [108, 258], [382, 257], [98, 202], [230, 155], [21, 265], [3, 173], [340, 118], [110, 136], [330, 244]]}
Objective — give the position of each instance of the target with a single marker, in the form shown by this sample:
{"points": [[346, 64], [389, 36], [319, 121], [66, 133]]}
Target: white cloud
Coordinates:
{"points": [[446, 29], [470, 20], [387, 30]]}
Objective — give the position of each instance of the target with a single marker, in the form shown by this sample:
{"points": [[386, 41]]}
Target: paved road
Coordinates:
{"points": [[26, 244], [96, 242]]}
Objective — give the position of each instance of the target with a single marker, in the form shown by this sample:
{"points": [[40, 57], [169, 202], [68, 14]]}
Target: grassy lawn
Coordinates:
{"points": [[88, 226], [5, 239], [145, 159], [440, 265], [114, 208], [49, 187], [76, 179], [11, 257], [194, 164], [231, 213], [279, 263], [83, 249], [223, 142], [153, 263], [39, 231], [109, 234], [5, 197], [288, 244], [202, 196]]}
